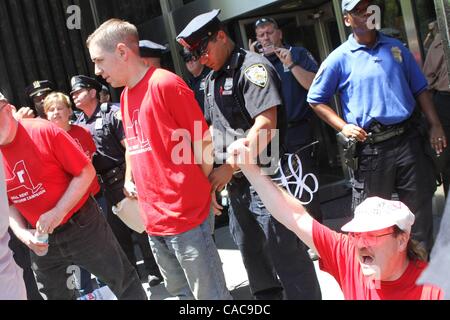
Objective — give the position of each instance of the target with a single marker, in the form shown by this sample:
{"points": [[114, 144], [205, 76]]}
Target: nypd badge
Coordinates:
{"points": [[397, 54], [257, 74]]}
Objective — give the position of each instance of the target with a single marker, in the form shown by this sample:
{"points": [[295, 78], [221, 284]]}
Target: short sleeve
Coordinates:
{"points": [[306, 61], [260, 84], [417, 81], [325, 84]]}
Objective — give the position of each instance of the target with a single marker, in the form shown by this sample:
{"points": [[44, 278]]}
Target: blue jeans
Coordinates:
{"points": [[87, 241], [190, 264], [268, 248]]}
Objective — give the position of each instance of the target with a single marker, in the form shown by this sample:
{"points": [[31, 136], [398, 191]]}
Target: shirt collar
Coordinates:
{"points": [[355, 46]]}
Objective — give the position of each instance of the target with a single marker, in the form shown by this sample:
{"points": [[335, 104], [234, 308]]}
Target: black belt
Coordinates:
{"points": [[89, 201], [444, 93], [112, 175]]}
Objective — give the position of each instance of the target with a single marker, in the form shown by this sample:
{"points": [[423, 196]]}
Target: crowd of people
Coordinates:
{"points": [[244, 123]]}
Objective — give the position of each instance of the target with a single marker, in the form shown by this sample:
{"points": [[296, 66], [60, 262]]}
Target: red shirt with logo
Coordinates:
{"points": [[84, 140], [338, 256], [161, 120], [39, 165]]}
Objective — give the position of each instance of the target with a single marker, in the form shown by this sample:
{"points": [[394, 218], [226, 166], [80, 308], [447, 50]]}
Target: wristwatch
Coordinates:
{"points": [[293, 64]]}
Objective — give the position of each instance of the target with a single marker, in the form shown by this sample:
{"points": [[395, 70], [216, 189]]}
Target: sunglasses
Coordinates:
{"points": [[262, 21]]}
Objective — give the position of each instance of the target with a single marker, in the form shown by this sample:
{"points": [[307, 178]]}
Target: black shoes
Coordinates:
{"points": [[154, 280]]}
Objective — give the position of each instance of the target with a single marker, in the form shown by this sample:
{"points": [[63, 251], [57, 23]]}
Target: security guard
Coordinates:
{"points": [[105, 125], [243, 94], [37, 92], [151, 52], [379, 84]]}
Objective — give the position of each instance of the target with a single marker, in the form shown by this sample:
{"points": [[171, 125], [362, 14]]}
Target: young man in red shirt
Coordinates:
{"points": [[376, 260], [48, 182], [169, 145]]}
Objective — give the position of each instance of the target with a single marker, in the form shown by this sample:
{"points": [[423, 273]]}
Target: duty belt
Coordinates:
{"points": [[385, 135], [112, 175]]}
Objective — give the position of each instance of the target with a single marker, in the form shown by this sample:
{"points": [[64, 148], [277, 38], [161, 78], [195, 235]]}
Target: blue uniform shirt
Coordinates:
{"points": [[374, 83], [294, 94]]}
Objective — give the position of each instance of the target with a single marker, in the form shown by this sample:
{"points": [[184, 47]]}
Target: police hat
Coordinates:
{"points": [[38, 88], [150, 49], [198, 32], [84, 82], [349, 5]]}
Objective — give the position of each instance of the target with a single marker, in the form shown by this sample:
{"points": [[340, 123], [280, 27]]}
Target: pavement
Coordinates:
{"points": [[336, 214]]}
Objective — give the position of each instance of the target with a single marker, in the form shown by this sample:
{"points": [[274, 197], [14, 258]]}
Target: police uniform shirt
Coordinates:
{"points": [[197, 84], [378, 83], [107, 132], [260, 87], [294, 94]]}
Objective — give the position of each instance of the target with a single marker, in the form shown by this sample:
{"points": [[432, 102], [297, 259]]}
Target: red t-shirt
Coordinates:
{"points": [[84, 140], [339, 258], [173, 197], [39, 165]]}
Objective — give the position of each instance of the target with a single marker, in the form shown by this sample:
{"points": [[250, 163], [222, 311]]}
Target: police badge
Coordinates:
{"points": [[257, 74], [397, 54]]}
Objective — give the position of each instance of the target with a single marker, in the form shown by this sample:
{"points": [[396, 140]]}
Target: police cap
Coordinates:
{"points": [[349, 5], [84, 82], [38, 88], [198, 32], [150, 49]]}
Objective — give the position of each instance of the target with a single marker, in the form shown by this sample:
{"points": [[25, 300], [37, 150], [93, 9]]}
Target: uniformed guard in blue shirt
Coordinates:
{"points": [[105, 125], [243, 94], [379, 83]]}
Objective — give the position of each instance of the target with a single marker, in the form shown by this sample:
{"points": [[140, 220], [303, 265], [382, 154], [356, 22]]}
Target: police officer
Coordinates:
{"points": [[243, 94], [37, 92], [297, 69], [379, 84], [197, 79], [151, 52], [105, 125]]}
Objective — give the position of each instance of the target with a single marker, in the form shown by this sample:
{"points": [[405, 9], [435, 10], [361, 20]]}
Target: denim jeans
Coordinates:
{"points": [[268, 248], [190, 264], [87, 241]]}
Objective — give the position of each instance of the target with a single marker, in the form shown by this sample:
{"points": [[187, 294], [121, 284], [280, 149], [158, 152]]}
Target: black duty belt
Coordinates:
{"points": [[388, 133], [112, 175]]}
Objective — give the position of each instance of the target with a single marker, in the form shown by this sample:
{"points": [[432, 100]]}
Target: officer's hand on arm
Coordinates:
{"points": [[285, 208], [220, 176], [27, 236]]}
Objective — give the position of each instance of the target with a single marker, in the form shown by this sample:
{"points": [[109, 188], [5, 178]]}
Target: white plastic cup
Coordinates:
{"points": [[42, 238]]}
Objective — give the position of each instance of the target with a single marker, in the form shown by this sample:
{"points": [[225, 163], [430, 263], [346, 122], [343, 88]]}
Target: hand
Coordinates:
{"points": [[284, 55], [30, 241], [240, 152], [24, 113], [438, 139], [129, 189], [251, 45], [216, 207], [220, 176], [354, 132], [49, 221]]}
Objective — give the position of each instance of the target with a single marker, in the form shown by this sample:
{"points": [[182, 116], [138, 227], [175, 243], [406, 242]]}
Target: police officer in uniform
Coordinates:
{"points": [[151, 52], [379, 84], [243, 93], [37, 92], [105, 125]]}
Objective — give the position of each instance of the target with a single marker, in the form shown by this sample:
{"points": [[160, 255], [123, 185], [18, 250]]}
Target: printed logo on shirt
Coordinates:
{"points": [[137, 143], [22, 185], [257, 74]]}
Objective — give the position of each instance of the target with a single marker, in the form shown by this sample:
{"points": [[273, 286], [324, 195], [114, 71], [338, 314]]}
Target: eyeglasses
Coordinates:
{"points": [[262, 21], [368, 240]]}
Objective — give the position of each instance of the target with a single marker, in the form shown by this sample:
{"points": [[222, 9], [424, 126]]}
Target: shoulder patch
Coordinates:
{"points": [[118, 115], [257, 74]]}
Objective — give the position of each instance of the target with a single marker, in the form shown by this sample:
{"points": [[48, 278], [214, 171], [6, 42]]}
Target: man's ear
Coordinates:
{"points": [[221, 36], [403, 240], [346, 20], [122, 51]]}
